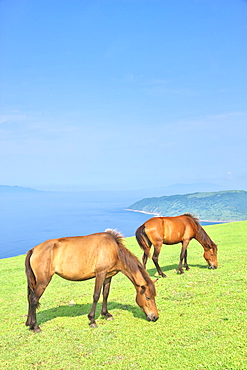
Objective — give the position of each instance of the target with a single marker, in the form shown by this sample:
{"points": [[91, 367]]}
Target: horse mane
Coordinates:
{"points": [[129, 260], [201, 234]]}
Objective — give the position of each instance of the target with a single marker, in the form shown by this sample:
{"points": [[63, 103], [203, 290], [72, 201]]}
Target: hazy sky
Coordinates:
{"points": [[123, 94]]}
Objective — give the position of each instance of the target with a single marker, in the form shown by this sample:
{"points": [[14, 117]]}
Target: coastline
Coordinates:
{"points": [[160, 215], [147, 213]]}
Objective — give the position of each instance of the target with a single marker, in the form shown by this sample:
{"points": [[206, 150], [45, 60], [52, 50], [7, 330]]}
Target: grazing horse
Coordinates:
{"points": [[79, 258], [172, 230]]}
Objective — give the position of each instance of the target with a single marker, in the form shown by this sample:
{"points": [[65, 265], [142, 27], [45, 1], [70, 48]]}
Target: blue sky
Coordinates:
{"points": [[123, 94]]}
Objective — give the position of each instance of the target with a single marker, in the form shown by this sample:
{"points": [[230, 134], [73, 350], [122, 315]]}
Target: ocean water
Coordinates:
{"points": [[27, 219]]}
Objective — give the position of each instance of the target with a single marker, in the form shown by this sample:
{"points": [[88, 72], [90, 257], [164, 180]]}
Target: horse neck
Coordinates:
{"points": [[203, 238], [135, 276], [131, 266]]}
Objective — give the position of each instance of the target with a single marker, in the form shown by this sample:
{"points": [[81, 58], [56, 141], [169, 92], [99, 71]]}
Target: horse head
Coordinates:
{"points": [[210, 255], [145, 298]]}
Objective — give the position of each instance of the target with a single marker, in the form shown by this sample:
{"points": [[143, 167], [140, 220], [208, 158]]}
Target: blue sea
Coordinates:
{"points": [[30, 218]]}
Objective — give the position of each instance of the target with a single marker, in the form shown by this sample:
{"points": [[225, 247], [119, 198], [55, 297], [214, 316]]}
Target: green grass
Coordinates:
{"points": [[202, 324]]}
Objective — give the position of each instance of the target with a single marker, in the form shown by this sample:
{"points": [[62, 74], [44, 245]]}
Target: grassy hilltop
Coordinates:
{"points": [[202, 323], [213, 206]]}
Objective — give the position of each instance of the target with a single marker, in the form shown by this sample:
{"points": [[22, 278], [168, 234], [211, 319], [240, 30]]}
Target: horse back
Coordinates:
{"points": [[170, 230], [75, 258]]}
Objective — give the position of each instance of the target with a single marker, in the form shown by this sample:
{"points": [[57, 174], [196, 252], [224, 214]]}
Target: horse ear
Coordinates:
{"points": [[154, 281], [143, 289]]}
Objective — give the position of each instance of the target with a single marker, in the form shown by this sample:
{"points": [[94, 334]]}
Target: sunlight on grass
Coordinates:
{"points": [[202, 324]]}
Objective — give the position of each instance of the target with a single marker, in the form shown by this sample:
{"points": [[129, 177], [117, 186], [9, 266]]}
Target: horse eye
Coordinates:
{"points": [[147, 298]]}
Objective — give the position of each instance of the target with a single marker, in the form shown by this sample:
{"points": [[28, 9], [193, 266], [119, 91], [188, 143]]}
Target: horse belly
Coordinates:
{"points": [[76, 264], [74, 270], [73, 264], [173, 238]]}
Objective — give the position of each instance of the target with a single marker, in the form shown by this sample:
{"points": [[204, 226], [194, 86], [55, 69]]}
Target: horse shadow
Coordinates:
{"points": [[153, 271], [199, 266], [83, 310], [167, 268]]}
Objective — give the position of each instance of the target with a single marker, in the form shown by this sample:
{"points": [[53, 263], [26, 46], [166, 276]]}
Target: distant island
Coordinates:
{"points": [[207, 206], [16, 189]]}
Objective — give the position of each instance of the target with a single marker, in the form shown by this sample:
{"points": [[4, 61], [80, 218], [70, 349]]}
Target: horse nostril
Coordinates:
{"points": [[152, 317]]}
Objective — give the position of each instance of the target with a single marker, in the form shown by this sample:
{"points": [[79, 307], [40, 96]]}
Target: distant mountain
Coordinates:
{"points": [[213, 206], [16, 189], [178, 188], [191, 188]]}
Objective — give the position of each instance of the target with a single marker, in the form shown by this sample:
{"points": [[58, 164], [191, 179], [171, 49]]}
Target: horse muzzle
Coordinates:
{"points": [[212, 267], [152, 317]]}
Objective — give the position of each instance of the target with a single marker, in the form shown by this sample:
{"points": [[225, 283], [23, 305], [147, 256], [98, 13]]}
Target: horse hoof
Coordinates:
{"points": [[35, 330], [93, 325], [110, 318], [163, 275]]}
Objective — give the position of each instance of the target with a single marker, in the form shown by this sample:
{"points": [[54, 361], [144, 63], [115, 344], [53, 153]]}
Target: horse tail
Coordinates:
{"points": [[31, 280], [143, 240]]}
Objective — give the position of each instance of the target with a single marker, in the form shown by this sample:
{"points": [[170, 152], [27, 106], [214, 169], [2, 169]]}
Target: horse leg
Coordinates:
{"points": [[30, 299], [33, 303], [185, 261], [155, 259], [100, 278], [106, 290], [183, 255], [144, 260]]}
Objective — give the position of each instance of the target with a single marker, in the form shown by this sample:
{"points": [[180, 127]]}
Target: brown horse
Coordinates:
{"points": [[172, 230], [79, 258]]}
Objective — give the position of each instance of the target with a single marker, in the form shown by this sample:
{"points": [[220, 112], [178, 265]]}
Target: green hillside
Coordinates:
{"points": [[213, 206]]}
